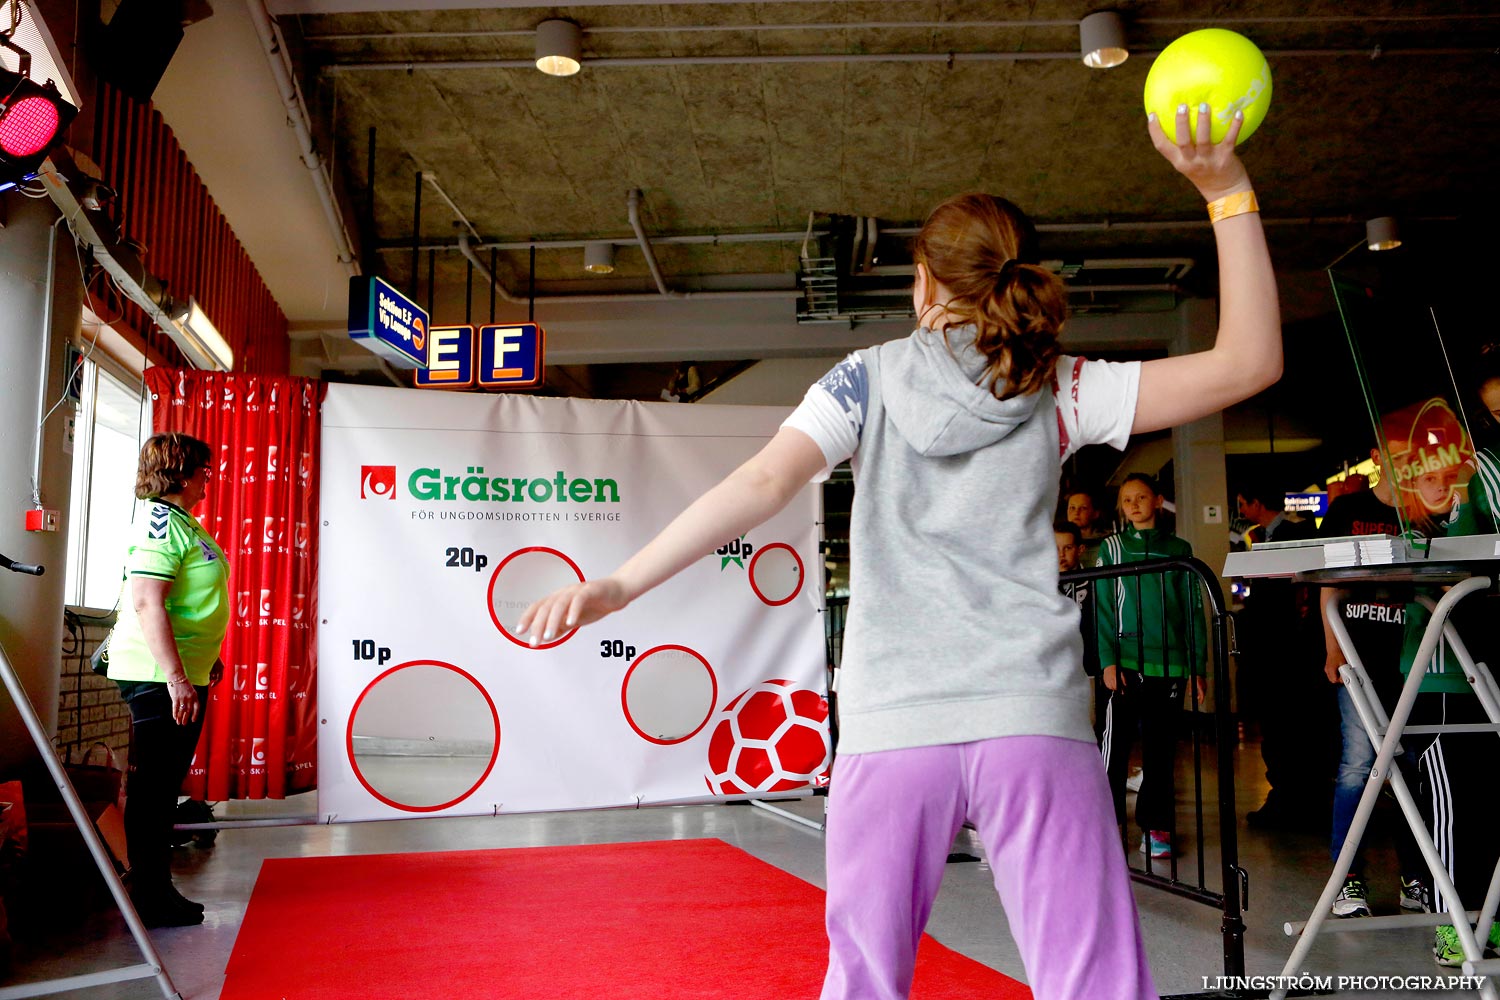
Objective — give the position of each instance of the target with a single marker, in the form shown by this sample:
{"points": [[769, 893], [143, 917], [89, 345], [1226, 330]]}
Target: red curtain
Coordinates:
{"points": [[260, 737]]}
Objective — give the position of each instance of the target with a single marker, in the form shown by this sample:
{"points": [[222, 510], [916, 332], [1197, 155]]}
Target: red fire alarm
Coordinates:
{"points": [[42, 520]]}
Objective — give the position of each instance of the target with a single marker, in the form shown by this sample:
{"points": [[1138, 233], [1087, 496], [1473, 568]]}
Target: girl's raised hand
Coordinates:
{"points": [[1214, 168], [569, 608]]}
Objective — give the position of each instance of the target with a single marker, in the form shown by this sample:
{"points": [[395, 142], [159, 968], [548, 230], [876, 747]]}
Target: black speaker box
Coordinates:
{"points": [[132, 51]]}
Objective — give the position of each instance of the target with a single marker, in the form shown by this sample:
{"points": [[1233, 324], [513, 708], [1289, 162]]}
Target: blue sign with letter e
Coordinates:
{"points": [[450, 359], [510, 356], [387, 322]]}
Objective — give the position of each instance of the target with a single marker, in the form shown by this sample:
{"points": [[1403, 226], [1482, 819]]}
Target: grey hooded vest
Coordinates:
{"points": [[956, 629]]}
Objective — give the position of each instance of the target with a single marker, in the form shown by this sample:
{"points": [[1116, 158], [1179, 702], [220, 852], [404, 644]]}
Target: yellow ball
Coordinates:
{"points": [[1214, 66]]}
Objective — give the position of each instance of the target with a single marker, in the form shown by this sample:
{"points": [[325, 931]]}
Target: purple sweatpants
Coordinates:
{"points": [[1042, 808]]}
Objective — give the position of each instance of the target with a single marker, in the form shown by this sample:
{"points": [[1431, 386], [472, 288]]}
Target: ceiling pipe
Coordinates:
{"points": [[706, 239], [296, 116], [947, 58], [1104, 225], [432, 181], [895, 25], [632, 61], [633, 209], [467, 249], [661, 29]]}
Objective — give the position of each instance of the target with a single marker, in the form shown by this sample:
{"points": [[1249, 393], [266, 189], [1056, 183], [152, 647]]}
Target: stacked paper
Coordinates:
{"points": [[1345, 553], [1378, 549], [1363, 550]]}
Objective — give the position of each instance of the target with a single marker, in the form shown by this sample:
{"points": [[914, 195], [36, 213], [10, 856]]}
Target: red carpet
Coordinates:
{"points": [[663, 920]]}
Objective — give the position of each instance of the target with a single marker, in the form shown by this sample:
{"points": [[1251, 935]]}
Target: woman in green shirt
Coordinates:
{"points": [[164, 654]]}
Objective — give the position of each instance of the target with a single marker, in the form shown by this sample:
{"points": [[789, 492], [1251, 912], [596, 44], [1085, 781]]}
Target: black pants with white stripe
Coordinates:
{"points": [[1457, 796], [1154, 706]]}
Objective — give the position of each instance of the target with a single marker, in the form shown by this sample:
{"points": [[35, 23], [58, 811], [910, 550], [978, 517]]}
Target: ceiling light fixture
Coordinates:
{"points": [[1382, 233], [204, 346], [559, 47], [599, 257], [1101, 37]]}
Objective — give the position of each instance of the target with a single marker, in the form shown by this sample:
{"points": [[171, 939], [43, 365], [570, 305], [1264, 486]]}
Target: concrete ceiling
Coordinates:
{"points": [[737, 118], [756, 146]]}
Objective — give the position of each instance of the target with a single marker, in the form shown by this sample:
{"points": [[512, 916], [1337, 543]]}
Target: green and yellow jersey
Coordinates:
{"points": [[171, 545]]}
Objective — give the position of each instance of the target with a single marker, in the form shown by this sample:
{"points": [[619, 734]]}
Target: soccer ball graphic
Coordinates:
{"points": [[770, 738]]}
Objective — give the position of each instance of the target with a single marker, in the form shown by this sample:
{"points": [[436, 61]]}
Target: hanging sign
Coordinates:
{"points": [[1312, 504], [450, 359], [387, 322], [510, 356], [501, 356]]}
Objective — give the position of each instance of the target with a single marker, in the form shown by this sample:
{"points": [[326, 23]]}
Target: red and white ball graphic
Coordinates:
{"points": [[770, 738]]}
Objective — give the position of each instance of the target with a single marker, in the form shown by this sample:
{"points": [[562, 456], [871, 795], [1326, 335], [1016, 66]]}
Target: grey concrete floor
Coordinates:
{"points": [[1287, 872]]}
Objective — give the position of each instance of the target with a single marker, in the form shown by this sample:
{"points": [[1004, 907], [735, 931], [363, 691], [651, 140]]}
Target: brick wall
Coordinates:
{"points": [[89, 708]]}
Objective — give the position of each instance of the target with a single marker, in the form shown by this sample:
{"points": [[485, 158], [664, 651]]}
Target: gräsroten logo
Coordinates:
{"points": [[378, 481], [475, 485], [427, 484]]}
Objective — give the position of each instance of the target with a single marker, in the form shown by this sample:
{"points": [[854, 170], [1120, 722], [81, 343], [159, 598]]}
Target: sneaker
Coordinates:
{"points": [[1413, 895], [1133, 783], [1157, 844], [1353, 900], [1446, 950]]}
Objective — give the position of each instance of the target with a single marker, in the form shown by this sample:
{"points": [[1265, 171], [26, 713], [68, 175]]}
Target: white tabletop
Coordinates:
{"points": [[1289, 560]]}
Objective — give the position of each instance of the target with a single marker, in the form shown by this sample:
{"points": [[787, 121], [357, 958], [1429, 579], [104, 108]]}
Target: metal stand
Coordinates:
{"points": [[811, 824], [1386, 734], [153, 965]]}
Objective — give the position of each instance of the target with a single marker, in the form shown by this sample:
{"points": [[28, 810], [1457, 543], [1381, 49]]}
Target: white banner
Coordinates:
{"points": [[445, 515]]}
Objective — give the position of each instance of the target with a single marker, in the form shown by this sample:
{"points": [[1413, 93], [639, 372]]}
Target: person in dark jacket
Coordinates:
{"points": [[1069, 557], [1152, 638], [1282, 689]]}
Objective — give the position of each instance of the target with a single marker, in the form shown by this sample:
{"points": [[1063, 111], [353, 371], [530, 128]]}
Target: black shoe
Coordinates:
{"points": [[159, 914], [160, 907], [193, 811], [1268, 817], [1282, 814], [183, 901]]}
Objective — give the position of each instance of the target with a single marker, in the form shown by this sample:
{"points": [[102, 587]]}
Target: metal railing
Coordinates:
{"points": [[1158, 575]]}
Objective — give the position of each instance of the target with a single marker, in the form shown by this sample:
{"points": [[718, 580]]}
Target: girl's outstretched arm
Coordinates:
{"points": [[745, 498], [1246, 356]]}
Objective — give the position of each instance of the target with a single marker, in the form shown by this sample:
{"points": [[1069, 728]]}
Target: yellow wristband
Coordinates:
{"points": [[1231, 205]]}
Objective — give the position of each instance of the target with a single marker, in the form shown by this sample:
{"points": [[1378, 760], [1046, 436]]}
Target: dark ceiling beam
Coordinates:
{"points": [[278, 7], [956, 25], [947, 58]]}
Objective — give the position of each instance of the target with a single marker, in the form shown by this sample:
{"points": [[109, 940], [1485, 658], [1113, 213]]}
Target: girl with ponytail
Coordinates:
{"points": [[983, 250], [960, 693]]}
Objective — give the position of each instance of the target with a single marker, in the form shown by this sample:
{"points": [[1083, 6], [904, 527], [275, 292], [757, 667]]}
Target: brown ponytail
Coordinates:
{"points": [[981, 249]]}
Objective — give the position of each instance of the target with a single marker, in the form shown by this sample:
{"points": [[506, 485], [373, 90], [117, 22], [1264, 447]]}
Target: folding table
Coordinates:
{"points": [[1411, 581]]}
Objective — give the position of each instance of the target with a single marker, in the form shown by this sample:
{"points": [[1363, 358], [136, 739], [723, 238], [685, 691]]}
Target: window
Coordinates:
{"points": [[112, 424]]}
